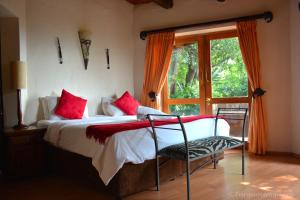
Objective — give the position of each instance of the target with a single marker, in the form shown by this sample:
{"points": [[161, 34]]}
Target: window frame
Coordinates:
{"points": [[166, 101], [205, 99]]}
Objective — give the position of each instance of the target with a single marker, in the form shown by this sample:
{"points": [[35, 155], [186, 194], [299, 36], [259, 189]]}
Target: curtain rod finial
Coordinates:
{"points": [[143, 35], [268, 16]]}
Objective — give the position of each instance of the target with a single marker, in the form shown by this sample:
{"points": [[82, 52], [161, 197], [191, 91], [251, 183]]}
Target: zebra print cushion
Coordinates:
{"points": [[201, 147]]}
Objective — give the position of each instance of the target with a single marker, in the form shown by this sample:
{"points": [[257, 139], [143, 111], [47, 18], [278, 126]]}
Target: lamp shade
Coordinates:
{"points": [[19, 75]]}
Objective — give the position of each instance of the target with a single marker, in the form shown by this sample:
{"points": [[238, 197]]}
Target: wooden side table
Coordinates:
{"points": [[24, 152]]}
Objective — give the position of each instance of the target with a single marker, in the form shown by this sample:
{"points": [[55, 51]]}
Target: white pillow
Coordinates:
{"points": [[109, 109], [142, 111], [44, 107], [49, 104]]}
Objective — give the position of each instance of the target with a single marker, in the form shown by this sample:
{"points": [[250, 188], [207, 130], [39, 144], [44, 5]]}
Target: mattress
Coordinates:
{"points": [[134, 146]]}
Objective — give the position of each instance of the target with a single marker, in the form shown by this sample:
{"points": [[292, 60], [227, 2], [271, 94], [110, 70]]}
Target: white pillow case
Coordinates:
{"points": [[49, 104], [142, 111], [109, 109]]}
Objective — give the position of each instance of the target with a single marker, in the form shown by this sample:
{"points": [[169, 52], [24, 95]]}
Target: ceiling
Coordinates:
{"points": [[163, 3], [136, 2]]}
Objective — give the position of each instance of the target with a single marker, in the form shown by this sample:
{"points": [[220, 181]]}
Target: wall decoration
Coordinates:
{"points": [[85, 42], [107, 58], [59, 52]]}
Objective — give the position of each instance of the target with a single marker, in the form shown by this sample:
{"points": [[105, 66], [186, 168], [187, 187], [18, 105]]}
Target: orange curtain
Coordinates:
{"points": [[157, 60], [257, 136]]}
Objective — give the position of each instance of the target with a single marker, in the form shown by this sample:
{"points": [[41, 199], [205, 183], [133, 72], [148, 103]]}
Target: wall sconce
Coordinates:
{"points": [[85, 42]]}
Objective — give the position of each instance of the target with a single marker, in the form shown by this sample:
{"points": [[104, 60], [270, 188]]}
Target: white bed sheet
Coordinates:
{"points": [[133, 146]]}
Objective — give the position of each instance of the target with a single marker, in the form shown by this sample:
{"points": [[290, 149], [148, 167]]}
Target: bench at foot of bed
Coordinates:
{"points": [[201, 148]]}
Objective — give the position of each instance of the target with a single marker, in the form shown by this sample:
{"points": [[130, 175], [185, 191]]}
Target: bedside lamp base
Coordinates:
{"points": [[20, 126]]}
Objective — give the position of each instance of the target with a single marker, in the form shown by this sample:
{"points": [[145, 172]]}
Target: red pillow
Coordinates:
{"points": [[127, 104], [70, 106]]}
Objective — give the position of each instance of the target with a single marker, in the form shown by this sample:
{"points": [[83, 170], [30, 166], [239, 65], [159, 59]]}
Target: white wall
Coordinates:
{"points": [[295, 66], [273, 42], [41, 21], [111, 25]]}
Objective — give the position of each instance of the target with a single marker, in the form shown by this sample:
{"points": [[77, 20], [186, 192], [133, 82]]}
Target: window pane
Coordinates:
{"points": [[183, 79], [228, 73], [185, 109], [235, 125]]}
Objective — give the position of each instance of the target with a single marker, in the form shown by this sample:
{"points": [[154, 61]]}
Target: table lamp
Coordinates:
{"points": [[19, 82]]}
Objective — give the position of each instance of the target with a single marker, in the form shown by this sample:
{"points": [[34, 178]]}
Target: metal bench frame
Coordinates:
{"points": [[223, 113]]}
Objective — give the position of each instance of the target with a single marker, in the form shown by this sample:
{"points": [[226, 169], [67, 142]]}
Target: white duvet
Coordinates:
{"points": [[133, 146]]}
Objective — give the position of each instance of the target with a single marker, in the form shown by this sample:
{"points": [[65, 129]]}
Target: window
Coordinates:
{"points": [[206, 72], [228, 73], [183, 79]]}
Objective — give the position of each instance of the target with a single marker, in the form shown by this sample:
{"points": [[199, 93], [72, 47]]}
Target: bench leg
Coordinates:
{"points": [[188, 178], [157, 173], [243, 159], [215, 162]]}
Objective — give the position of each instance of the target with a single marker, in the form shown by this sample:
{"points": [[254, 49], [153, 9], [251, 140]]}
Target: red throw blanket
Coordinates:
{"points": [[103, 131]]}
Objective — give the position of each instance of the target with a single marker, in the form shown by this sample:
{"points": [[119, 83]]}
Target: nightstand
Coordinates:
{"points": [[24, 152]]}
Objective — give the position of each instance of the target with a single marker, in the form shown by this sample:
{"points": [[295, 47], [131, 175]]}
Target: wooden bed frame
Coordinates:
{"points": [[130, 179]]}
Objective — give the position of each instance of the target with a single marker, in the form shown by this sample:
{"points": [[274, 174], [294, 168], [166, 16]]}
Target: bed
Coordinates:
{"points": [[125, 164]]}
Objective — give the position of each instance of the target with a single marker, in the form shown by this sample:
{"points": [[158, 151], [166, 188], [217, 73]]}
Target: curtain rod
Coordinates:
{"points": [[267, 16]]}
